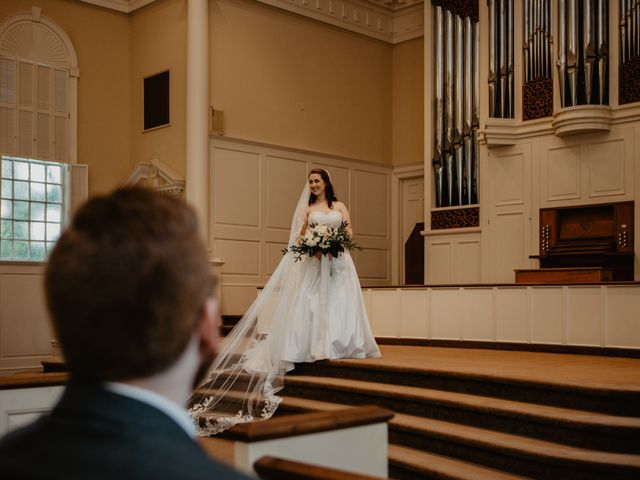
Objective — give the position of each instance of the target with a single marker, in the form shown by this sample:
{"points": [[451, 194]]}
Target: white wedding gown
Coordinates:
{"points": [[328, 318], [308, 310]]}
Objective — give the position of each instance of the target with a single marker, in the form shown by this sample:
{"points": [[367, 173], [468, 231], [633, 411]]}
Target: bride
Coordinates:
{"points": [[308, 310]]}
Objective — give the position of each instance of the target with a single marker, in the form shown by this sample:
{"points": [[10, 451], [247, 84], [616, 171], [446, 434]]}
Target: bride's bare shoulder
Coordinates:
{"points": [[340, 206]]}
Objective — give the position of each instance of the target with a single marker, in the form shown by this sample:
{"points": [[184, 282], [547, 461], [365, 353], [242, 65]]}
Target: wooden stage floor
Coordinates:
{"points": [[591, 371]]}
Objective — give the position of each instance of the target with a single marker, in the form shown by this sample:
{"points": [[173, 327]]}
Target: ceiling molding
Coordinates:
{"points": [[392, 21]]}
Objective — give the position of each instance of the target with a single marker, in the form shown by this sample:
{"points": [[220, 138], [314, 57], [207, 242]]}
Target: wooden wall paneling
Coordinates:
{"points": [[439, 260], [372, 265], [21, 406], [509, 245], [385, 313], [467, 259], [561, 177], [414, 313], [284, 180], [25, 332], [236, 188], [241, 257], [605, 164], [509, 217], [372, 204], [512, 315], [622, 317], [478, 314], [446, 314], [584, 309], [547, 315]]}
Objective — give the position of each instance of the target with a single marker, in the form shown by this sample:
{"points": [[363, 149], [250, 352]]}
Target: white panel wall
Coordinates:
{"points": [[594, 315], [549, 171], [254, 190], [453, 258], [25, 334]]}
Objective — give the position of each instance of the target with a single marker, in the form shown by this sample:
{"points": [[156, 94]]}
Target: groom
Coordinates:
{"points": [[131, 298]]}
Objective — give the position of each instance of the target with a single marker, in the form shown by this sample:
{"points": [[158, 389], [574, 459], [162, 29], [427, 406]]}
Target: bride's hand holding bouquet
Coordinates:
{"points": [[322, 240]]}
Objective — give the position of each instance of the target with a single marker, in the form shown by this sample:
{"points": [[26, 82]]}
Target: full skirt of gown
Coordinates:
{"points": [[309, 310]]}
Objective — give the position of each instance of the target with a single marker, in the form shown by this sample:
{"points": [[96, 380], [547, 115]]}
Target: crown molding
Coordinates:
{"points": [[391, 21], [123, 6]]}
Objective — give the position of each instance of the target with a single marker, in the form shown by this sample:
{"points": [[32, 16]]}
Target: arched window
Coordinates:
{"points": [[38, 133]]}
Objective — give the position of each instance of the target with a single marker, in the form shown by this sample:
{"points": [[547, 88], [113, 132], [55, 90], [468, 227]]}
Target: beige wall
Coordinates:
{"points": [[408, 102], [101, 40], [159, 43], [286, 80]]}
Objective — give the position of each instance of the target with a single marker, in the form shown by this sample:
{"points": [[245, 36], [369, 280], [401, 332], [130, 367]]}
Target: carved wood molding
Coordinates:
{"points": [[630, 81], [158, 176], [537, 99], [455, 218], [391, 21]]}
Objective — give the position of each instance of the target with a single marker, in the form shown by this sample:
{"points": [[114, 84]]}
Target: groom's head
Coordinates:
{"points": [[128, 285]]}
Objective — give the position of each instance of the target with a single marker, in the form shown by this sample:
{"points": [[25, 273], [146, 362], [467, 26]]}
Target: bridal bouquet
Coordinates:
{"points": [[325, 239]]}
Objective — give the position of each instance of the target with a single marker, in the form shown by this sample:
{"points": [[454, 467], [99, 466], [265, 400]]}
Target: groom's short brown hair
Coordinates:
{"points": [[126, 284]]}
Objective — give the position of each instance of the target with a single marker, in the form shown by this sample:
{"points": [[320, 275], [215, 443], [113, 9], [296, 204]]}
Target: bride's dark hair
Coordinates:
{"points": [[328, 187]]}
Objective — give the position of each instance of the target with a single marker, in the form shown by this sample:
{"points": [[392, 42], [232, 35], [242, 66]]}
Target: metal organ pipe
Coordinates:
{"points": [[456, 86], [583, 53]]}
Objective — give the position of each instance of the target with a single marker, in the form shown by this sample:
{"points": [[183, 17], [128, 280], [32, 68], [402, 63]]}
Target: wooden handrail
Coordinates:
{"points": [[273, 468], [31, 380], [306, 423]]}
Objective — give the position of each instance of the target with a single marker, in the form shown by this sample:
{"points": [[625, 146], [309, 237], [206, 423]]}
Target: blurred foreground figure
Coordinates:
{"points": [[131, 298]]}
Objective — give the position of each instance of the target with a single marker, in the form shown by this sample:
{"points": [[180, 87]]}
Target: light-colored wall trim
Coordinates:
{"points": [[399, 174], [580, 315], [253, 191]]}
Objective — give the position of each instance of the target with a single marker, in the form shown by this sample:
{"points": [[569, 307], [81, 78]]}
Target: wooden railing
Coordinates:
{"points": [[272, 468], [352, 439]]}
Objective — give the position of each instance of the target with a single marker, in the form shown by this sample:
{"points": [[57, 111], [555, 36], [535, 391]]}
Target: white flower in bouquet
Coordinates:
{"points": [[324, 239]]}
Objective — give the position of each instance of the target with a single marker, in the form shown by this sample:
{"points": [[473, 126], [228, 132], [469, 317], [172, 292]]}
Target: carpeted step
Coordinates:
{"points": [[409, 463], [570, 426], [548, 391], [513, 453], [463, 445]]}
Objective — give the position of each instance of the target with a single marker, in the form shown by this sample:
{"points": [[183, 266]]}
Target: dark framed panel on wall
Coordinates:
{"points": [[157, 101]]}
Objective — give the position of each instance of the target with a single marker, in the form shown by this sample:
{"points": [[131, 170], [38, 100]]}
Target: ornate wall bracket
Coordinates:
{"points": [[455, 218], [157, 175]]}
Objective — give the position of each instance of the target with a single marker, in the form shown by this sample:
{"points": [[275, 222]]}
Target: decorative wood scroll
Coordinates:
{"points": [[630, 81], [461, 8], [537, 98], [457, 218]]}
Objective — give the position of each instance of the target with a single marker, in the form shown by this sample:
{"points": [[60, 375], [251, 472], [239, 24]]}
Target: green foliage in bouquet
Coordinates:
{"points": [[325, 239]]}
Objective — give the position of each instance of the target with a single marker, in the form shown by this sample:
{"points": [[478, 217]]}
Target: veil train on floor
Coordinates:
{"points": [[243, 381]]}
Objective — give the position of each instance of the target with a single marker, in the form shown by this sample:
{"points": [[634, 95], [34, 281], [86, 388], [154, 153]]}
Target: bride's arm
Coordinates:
{"points": [[347, 218], [306, 224]]}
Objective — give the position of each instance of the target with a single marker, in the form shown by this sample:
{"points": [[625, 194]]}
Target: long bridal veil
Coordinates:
{"points": [[243, 381]]}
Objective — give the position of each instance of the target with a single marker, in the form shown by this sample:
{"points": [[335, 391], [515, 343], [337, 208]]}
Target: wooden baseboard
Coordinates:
{"points": [[525, 347]]}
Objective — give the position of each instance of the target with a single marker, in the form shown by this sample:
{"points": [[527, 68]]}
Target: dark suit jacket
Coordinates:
{"points": [[95, 434]]}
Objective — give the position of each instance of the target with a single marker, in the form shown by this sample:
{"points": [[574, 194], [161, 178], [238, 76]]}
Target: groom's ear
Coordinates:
{"points": [[209, 327]]}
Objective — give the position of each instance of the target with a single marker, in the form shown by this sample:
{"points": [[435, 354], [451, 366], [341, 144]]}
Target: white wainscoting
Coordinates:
{"points": [[25, 333], [20, 406], [592, 315], [254, 190], [548, 171], [453, 257]]}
